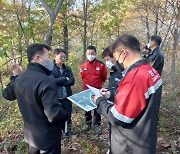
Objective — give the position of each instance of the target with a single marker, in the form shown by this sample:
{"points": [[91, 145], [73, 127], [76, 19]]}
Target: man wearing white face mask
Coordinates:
{"points": [[155, 56], [94, 73], [115, 74]]}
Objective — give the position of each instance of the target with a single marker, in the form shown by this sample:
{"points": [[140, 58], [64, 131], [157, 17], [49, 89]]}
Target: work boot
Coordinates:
{"points": [[97, 129], [70, 135]]}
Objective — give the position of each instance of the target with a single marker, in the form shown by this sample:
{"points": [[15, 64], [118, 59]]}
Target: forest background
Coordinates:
{"points": [[73, 25]]}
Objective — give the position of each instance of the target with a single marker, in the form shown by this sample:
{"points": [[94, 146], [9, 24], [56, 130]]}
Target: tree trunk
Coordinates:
{"points": [[156, 17], [65, 30], [1, 81], [53, 14], [175, 43], [85, 3], [147, 22], [66, 41]]}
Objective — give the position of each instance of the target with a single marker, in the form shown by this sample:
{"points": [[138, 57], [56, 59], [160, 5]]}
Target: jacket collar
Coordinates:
{"points": [[136, 64], [63, 66], [38, 67]]}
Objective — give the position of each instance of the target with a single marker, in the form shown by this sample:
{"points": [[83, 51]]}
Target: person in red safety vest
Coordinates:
{"points": [[94, 73], [134, 115]]}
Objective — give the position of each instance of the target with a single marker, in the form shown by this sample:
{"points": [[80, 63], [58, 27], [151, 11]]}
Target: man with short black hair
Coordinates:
{"points": [[64, 78], [115, 74], [37, 98], [134, 115], [94, 73], [155, 56]]}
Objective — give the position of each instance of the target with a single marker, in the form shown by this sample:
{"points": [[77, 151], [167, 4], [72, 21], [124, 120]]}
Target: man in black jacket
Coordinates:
{"points": [[155, 56], [37, 98], [63, 76], [115, 74]]}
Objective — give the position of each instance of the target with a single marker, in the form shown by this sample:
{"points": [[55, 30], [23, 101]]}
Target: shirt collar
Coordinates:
{"points": [[125, 71]]}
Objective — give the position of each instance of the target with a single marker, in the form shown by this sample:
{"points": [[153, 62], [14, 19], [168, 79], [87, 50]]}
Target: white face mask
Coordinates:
{"points": [[148, 45], [109, 64], [91, 57]]}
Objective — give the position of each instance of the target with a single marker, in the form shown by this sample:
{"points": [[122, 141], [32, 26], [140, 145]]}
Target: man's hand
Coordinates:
{"points": [[16, 69], [94, 97], [105, 92]]}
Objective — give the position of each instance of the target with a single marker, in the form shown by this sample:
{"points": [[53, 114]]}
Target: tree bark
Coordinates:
{"points": [[147, 21], [66, 41], [52, 15], [85, 5], [156, 17], [65, 31], [175, 43]]}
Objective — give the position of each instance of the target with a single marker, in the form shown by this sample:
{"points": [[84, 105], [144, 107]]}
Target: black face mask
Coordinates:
{"points": [[119, 66]]}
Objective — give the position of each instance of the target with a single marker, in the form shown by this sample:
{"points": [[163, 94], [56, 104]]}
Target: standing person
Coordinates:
{"points": [[114, 78], [134, 115], [63, 76], [37, 98], [115, 74], [145, 51], [155, 56], [94, 73]]}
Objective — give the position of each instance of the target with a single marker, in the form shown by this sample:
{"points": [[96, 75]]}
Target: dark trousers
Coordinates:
{"points": [[67, 106], [55, 149], [96, 119]]}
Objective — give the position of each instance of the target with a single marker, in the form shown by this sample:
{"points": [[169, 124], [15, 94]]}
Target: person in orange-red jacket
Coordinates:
{"points": [[94, 73]]}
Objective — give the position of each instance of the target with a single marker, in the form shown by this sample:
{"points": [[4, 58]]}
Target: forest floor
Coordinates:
{"points": [[168, 141]]}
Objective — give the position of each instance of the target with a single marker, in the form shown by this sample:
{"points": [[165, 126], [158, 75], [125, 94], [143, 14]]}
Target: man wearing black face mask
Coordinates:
{"points": [[134, 115], [37, 98]]}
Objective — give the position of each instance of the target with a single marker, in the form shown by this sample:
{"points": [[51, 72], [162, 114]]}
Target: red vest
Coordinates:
{"points": [[93, 73]]}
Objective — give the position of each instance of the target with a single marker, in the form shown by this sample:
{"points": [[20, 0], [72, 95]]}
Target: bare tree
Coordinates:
{"points": [[52, 14]]}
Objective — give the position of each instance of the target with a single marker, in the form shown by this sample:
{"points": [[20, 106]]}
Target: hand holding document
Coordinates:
{"points": [[83, 100], [97, 93]]}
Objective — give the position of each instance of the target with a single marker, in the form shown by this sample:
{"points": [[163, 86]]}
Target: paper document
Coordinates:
{"points": [[95, 91], [83, 100]]}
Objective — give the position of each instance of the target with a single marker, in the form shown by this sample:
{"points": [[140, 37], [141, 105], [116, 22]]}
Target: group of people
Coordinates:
{"points": [[135, 89]]}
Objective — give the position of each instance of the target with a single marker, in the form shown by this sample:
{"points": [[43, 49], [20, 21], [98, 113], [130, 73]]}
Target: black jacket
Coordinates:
{"points": [[61, 80], [114, 79], [156, 59], [38, 103]]}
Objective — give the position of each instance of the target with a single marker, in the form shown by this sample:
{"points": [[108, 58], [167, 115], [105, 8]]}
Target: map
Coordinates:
{"points": [[83, 100]]}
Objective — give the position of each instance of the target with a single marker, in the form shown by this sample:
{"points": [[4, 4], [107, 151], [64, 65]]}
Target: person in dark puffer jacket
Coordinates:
{"points": [[64, 79]]}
